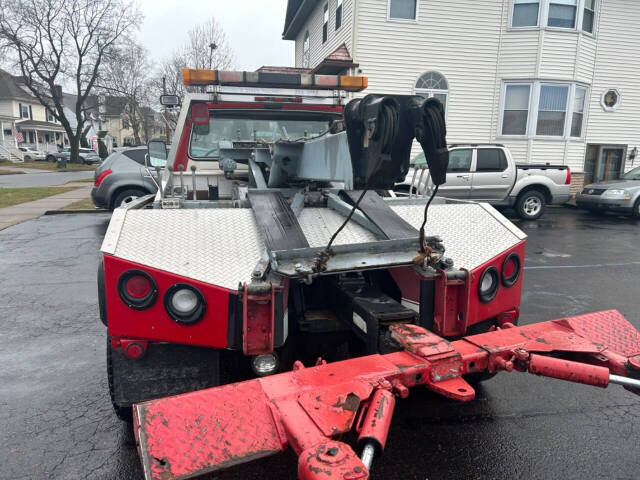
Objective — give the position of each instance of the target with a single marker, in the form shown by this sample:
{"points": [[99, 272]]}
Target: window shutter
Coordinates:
{"points": [[30, 112]]}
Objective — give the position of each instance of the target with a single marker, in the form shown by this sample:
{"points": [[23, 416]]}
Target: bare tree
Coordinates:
{"points": [[63, 42], [206, 47], [126, 73]]}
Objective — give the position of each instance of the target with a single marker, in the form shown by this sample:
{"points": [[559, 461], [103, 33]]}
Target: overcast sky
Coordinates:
{"points": [[253, 27]]}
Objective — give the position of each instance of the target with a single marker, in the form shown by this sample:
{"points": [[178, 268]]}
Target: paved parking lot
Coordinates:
{"points": [[56, 419]]}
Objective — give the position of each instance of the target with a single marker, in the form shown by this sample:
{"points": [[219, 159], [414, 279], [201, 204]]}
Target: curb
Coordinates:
{"points": [[67, 212]]}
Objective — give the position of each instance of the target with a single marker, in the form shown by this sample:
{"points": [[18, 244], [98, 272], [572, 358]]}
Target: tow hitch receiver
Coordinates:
{"points": [[308, 409]]}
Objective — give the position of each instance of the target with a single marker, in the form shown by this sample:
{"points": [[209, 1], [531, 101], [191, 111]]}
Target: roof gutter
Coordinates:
{"points": [[288, 34]]}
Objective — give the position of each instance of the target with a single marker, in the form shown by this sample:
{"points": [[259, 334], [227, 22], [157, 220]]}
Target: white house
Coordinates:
{"points": [[554, 80], [21, 113]]}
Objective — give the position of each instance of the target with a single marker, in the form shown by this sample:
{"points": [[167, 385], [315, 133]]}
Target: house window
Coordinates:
{"points": [[525, 13], [558, 109], [403, 9], [552, 110], [562, 13], [516, 109], [50, 117], [589, 15], [338, 14], [325, 23], [306, 54], [433, 85], [24, 111], [578, 111]]}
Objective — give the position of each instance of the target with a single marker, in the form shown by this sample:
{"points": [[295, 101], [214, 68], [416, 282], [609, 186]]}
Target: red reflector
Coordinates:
{"points": [[101, 177], [568, 179], [509, 268], [138, 286], [200, 113]]}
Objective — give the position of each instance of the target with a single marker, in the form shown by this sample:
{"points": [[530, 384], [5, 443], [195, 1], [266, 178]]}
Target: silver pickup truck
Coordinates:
{"points": [[488, 173]]}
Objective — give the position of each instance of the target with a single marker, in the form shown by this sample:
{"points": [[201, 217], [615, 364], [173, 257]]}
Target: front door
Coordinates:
{"points": [[458, 184], [611, 163]]}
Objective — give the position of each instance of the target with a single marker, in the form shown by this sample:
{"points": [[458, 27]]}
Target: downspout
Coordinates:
{"points": [[494, 114]]}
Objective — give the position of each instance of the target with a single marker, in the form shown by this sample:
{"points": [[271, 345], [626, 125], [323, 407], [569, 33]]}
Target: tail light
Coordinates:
{"points": [[488, 284], [137, 289], [184, 303], [100, 177], [511, 270], [567, 181]]}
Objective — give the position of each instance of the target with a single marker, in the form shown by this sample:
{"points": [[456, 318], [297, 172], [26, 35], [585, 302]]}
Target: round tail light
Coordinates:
{"points": [[511, 270], [184, 303], [488, 284], [137, 289]]}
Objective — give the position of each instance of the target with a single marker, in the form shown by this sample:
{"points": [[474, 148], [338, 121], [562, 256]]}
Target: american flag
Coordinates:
{"points": [[17, 134]]}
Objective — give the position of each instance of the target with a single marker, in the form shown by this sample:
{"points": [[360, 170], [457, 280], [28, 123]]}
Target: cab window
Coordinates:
{"points": [[491, 160], [257, 128], [459, 161]]}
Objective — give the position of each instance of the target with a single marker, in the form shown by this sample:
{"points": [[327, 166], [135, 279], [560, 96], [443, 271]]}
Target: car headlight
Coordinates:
{"points": [[616, 192], [184, 303], [488, 284]]}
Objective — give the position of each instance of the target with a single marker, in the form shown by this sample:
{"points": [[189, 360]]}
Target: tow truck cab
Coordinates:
{"points": [[177, 271]]}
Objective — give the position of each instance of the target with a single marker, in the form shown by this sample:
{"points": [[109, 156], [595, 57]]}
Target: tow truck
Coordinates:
{"points": [[274, 293]]}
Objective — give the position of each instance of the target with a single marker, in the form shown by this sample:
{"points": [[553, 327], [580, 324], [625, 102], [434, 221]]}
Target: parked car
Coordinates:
{"points": [[488, 173], [86, 155], [122, 178], [621, 195], [29, 154]]}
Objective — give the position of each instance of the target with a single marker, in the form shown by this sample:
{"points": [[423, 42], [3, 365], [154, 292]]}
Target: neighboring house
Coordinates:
{"points": [[554, 80], [119, 121], [21, 113]]}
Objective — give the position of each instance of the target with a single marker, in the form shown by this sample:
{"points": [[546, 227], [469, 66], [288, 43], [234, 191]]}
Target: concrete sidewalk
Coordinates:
{"points": [[26, 211], [25, 169]]}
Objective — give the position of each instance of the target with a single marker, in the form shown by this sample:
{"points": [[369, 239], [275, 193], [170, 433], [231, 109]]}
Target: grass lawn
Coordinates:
{"points": [[71, 167], [85, 204], [14, 196]]}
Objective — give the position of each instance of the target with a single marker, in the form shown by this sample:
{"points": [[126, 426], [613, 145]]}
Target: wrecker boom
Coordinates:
{"points": [[308, 409]]}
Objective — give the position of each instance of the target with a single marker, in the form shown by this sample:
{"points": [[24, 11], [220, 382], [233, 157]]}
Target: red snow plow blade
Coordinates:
{"points": [[308, 409]]}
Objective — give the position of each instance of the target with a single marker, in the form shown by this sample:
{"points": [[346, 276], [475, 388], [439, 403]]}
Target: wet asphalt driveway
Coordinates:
{"points": [[56, 419]]}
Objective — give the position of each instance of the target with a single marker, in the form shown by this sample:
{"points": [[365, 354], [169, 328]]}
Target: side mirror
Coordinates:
{"points": [[170, 100], [157, 156]]}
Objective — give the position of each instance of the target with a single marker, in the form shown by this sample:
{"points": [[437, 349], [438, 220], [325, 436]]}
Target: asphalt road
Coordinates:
{"points": [[44, 179], [56, 419]]}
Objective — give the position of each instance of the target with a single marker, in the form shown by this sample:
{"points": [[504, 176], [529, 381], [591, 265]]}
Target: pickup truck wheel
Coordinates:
{"points": [[123, 412], [531, 205]]}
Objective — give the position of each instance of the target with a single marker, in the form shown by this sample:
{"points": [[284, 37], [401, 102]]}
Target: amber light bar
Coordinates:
{"points": [[192, 77]]}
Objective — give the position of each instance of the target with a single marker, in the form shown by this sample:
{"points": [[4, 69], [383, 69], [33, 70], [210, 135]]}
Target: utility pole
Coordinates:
{"points": [[166, 110], [212, 47]]}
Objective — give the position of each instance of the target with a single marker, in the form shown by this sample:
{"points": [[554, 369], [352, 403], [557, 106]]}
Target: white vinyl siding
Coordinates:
{"points": [[318, 50], [473, 45]]}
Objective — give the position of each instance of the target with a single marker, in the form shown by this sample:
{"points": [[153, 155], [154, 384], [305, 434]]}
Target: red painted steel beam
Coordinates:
{"points": [[307, 409]]}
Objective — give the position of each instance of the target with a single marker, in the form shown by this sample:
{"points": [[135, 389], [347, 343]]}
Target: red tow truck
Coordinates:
{"points": [[275, 293]]}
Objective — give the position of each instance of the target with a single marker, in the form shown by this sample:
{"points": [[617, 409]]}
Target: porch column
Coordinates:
{"points": [[36, 134], [1, 133], [15, 137]]}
